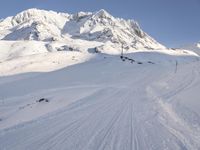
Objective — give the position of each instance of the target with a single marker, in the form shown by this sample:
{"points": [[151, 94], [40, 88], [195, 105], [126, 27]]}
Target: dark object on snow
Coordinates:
{"points": [[94, 50], [132, 61], [122, 58], [150, 62], [139, 62], [127, 58], [43, 100]]}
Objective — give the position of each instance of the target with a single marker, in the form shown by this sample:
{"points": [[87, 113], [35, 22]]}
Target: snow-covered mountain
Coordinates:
{"points": [[40, 40], [193, 47], [88, 99], [41, 25]]}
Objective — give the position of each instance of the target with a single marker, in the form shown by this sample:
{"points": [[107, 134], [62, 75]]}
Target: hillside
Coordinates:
{"points": [[193, 47], [41, 25], [65, 85], [104, 103]]}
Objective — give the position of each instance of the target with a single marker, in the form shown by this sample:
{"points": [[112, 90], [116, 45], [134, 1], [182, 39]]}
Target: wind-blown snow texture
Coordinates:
{"points": [[93, 100]]}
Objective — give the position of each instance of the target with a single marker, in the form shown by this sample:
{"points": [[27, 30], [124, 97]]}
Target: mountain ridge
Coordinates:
{"points": [[195, 47], [40, 41], [100, 26]]}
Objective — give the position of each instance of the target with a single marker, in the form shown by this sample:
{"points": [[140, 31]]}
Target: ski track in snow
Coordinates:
{"points": [[136, 116], [148, 101]]}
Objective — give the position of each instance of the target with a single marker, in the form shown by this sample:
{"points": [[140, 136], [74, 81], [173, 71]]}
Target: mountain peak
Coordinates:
{"points": [[198, 44], [29, 13], [102, 14], [100, 26], [36, 14]]}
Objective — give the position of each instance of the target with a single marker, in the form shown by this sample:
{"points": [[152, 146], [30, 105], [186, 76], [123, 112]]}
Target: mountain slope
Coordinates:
{"points": [[70, 88], [40, 40], [31, 39], [193, 47], [105, 104], [33, 24], [41, 25]]}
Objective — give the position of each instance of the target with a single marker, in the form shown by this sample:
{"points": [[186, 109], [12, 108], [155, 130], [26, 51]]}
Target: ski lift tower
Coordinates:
{"points": [[122, 52]]}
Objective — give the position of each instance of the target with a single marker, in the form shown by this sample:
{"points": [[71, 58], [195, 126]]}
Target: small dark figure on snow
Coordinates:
{"points": [[43, 100]]}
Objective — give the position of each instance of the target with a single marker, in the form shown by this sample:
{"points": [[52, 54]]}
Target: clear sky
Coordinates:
{"points": [[171, 22]]}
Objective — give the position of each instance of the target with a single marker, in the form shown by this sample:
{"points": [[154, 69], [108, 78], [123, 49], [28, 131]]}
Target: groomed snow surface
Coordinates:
{"points": [[105, 103], [63, 85]]}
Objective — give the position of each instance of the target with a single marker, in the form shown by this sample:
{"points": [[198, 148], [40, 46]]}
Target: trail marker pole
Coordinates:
{"points": [[176, 66]]}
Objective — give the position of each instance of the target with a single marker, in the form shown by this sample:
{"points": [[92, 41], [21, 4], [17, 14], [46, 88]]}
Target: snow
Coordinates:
{"points": [[192, 47], [105, 103], [33, 56], [38, 56], [149, 99], [33, 34], [41, 25]]}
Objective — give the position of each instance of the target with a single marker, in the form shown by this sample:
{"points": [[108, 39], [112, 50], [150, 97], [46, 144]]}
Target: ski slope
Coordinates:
{"points": [[63, 85], [105, 104], [37, 40]]}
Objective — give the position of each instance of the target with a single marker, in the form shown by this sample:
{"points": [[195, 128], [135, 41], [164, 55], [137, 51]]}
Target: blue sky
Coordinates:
{"points": [[171, 22]]}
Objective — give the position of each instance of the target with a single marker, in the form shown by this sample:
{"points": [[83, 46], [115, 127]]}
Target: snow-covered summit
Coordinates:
{"points": [[35, 14], [198, 45], [102, 14], [32, 24], [42, 25], [40, 40], [193, 47]]}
